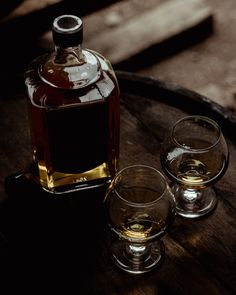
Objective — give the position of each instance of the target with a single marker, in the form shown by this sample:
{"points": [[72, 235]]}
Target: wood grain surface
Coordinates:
{"points": [[66, 237], [154, 26]]}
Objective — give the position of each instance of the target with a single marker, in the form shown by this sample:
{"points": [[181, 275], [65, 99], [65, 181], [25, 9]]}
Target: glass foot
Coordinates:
{"points": [[192, 203], [137, 264]]}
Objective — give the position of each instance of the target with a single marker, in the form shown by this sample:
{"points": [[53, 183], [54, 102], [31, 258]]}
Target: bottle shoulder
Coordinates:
{"points": [[43, 94], [69, 71]]}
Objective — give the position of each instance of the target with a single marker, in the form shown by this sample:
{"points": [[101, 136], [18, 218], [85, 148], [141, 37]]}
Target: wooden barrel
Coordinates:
{"points": [[62, 241]]}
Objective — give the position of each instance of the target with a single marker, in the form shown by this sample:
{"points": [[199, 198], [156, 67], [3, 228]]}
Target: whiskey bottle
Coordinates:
{"points": [[74, 112]]}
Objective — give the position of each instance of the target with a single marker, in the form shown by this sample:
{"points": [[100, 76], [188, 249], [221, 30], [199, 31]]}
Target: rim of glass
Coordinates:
{"points": [[141, 166], [200, 118]]}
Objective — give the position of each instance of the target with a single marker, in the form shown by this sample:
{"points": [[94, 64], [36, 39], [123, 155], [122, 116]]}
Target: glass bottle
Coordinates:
{"points": [[74, 111]]}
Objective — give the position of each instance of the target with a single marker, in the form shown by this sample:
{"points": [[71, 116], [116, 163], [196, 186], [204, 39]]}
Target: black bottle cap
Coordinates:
{"points": [[67, 30]]}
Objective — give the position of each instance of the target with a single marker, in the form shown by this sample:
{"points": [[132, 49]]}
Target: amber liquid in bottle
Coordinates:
{"points": [[75, 119]]}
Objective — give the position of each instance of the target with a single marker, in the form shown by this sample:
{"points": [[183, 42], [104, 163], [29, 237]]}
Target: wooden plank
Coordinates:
{"points": [[210, 239], [116, 15], [155, 26], [23, 8], [27, 7], [180, 266]]}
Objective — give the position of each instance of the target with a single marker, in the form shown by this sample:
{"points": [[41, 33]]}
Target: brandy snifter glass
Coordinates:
{"points": [[140, 208], [194, 156]]}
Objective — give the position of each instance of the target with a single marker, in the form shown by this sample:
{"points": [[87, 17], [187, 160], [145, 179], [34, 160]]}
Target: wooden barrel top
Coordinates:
{"points": [[62, 242]]}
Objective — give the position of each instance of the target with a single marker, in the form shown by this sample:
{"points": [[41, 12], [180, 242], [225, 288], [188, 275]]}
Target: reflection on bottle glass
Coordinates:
{"points": [[74, 111]]}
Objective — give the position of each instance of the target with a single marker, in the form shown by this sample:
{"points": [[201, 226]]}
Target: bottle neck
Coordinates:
{"points": [[69, 55], [70, 68]]}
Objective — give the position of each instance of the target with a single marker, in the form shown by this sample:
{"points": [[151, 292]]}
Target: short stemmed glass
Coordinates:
{"points": [[194, 156], [140, 208]]}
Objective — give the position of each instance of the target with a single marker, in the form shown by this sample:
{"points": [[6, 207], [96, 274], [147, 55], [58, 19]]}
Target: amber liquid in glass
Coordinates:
{"points": [[75, 132]]}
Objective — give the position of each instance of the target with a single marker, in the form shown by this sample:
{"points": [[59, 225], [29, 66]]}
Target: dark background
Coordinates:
{"points": [[207, 66]]}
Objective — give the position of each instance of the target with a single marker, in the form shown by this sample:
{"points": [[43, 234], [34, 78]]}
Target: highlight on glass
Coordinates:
{"points": [[194, 156], [140, 208]]}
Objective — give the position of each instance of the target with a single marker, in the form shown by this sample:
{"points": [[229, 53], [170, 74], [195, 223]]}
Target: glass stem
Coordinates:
{"points": [[191, 195], [187, 194], [137, 252]]}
